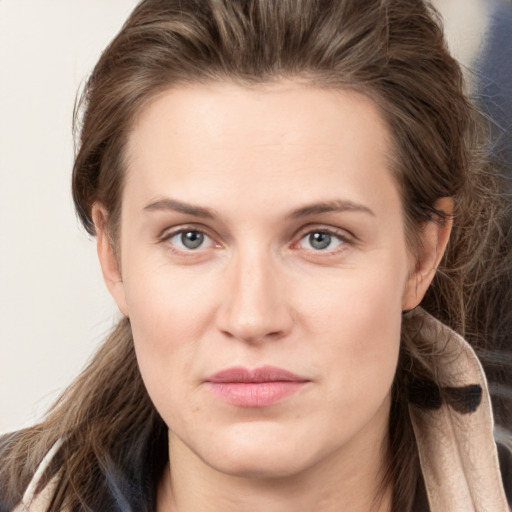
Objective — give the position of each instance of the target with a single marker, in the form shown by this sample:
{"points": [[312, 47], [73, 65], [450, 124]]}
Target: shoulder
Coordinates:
{"points": [[9, 479], [29, 499]]}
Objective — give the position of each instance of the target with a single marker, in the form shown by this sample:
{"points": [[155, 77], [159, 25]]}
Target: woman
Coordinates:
{"points": [[274, 186]]}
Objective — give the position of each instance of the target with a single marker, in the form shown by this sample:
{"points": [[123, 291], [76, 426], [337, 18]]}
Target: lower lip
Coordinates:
{"points": [[255, 394]]}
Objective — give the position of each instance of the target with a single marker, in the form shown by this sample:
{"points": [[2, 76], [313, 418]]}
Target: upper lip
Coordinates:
{"points": [[256, 375]]}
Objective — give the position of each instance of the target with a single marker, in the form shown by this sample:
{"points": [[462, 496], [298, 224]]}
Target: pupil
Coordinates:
{"points": [[192, 239], [320, 240]]}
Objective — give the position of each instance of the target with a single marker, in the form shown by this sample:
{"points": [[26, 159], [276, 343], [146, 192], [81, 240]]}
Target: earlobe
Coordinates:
{"points": [[108, 260], [433, 242]]}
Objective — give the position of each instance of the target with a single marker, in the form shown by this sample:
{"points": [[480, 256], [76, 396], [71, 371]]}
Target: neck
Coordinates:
{"points": [[346, 480]]}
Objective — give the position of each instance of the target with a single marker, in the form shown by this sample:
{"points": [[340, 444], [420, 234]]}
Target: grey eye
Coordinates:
{"points": [[319, 241], [191, 239]]}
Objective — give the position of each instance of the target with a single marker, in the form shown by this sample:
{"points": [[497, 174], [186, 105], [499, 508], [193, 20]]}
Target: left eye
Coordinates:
{"points": [[190, 240], [320, 241]]}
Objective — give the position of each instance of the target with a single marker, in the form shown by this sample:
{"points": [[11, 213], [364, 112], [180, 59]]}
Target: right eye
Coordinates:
{"points": [[189, 240]]}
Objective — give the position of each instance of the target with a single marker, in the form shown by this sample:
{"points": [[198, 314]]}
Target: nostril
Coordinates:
{"points": [[252, 336]]}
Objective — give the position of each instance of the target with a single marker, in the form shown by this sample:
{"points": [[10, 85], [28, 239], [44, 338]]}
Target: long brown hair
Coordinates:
{"points": [[114, 442]]}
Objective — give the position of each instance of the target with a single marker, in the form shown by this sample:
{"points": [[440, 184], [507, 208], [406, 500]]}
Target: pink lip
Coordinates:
{"points": [[259, 387]]}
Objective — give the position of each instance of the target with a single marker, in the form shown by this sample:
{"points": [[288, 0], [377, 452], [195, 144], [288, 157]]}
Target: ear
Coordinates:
{"points": [[433, 241], [108, 259]]}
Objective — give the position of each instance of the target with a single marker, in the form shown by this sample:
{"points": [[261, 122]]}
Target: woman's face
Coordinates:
{"points": [[264, 269]]}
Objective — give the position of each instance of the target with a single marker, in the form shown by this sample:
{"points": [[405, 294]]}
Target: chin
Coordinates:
{"points": [[271, 465], [259, 453]]}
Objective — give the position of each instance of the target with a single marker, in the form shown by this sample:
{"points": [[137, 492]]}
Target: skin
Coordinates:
{"points": [[257, 292]]}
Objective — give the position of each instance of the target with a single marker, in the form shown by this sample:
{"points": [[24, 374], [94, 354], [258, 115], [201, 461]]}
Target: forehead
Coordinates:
{"points": [[210, 139]]}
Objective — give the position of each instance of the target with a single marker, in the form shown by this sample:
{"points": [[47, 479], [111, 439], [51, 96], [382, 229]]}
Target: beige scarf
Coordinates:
{"points": [[458, 454]]}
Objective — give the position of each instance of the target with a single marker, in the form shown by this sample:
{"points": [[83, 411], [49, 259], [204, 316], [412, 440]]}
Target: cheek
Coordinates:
{"points": [[170, 311], [166, 303], [356, 319]]}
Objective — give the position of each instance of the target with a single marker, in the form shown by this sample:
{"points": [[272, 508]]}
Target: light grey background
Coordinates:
{"points": [[54, 309]]}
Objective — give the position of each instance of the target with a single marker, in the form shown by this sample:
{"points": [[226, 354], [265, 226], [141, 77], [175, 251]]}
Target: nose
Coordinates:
{"points": [[255, 306]]}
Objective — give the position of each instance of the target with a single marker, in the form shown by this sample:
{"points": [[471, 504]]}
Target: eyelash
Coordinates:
{"points": [[342, 236]]}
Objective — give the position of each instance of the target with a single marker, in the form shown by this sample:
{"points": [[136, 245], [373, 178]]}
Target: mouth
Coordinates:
{"points": [[259, 387]]}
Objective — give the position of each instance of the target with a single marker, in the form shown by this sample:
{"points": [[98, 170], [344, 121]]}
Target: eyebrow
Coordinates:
{"points": [[337, 205], [179, 206]]}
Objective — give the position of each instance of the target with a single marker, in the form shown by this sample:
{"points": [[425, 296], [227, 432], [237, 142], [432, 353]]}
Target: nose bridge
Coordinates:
{"points": [[255, 305]]}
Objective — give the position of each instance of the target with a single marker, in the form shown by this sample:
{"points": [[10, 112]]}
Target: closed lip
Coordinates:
{"points": [[262, 374], [256, 388]]}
